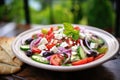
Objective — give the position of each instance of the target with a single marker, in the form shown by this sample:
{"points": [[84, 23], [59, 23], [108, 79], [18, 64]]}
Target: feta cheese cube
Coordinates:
{"points": [[63, 44], [42, 47], [43, 41], [58, 36], [74, 48], [82, 35], [54, 49], [93, 45]]}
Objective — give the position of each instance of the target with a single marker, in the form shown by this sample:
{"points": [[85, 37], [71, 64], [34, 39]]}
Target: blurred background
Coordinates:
{"points": [[104, 14]]}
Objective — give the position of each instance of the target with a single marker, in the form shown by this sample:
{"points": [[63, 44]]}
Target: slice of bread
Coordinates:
{"points": [[8, 61], [5, 43], [8, 69]]}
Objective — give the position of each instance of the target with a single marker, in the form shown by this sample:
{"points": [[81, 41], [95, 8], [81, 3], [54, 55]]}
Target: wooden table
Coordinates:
{"points": [[110, 70]]}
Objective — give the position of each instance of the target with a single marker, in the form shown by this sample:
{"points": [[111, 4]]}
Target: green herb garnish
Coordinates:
{"points": [[70, 31]]}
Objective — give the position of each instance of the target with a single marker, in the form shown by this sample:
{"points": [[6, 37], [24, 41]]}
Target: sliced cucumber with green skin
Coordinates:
{"points": [[81, 52], [24, 47], [38, 58]]}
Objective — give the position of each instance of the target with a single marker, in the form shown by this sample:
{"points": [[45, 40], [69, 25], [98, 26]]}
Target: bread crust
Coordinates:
{"points": [[8, 61]]}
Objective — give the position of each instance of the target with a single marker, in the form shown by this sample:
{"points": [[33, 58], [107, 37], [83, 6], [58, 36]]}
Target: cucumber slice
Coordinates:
{"points": [[40, 59], [24, 47], [81, 52]]}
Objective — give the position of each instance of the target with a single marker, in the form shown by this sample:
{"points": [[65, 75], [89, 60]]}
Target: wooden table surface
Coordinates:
{"points": [[110, 70]]}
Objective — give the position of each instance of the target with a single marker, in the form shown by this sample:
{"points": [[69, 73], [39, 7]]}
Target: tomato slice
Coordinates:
{"points": [[35, 50], [83, 61], [50, 31], [79, 62], [90, 59], [49, 46], [49, 37], [99, 56], [56, 60]]}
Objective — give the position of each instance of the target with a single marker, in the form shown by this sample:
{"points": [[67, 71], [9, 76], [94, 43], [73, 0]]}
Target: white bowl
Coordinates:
{"points": [[111, 41]]}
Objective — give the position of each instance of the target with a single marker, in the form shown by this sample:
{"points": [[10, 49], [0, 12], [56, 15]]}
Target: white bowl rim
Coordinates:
{"points": [[23, 58]]}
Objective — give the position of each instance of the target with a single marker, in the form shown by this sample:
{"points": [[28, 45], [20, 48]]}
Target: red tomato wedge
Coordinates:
{"points": [[49, 46], [35, 50], [90, 59], [83, 61], [55, 60], [50, 31], [99, 56], [49, 37]]}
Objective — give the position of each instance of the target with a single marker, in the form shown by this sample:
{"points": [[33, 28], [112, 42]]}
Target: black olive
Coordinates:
{"points": [[28, 41], [92, 53], [47, 53], [29, 53]]}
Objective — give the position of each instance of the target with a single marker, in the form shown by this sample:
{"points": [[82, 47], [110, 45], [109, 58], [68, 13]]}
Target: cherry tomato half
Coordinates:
{"points": [[49, 37], [56, 60], [49, 46], [50, 31], [99, 56], [35, 50]]}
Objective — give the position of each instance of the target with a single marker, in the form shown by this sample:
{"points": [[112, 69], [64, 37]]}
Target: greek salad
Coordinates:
{"points": [[65, 45]]}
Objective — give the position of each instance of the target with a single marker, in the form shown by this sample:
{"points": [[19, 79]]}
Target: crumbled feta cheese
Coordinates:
{"points": [[42, 47], [74, 53], [82, 35], [58, 36], [58, 31], [74, 48], [63, 44], [93, 45], [43, 41], [54, 49]]}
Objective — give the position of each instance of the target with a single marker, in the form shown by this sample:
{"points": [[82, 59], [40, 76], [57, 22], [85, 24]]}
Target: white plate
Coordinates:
{"points": [[111, 41]]}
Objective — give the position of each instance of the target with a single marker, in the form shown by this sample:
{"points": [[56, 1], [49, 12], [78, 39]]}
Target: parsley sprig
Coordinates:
{"points": [[70, 31]]}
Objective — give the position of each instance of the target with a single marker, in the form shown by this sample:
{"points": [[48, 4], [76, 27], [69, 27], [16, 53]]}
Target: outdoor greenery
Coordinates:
{"points": [[12, 11], [100, 13], [97, 13]]}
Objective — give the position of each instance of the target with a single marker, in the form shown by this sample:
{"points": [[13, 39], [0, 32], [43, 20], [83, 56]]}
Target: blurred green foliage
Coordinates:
{"points": [[97, 13], [12, 11], [100, 13]]}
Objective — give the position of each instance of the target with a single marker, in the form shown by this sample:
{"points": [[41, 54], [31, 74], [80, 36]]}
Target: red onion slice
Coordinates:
{"points": [[35, 42]]}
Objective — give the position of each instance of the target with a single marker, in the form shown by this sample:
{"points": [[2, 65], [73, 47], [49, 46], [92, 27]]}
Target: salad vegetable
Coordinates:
{"points": [[65, 45]]}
